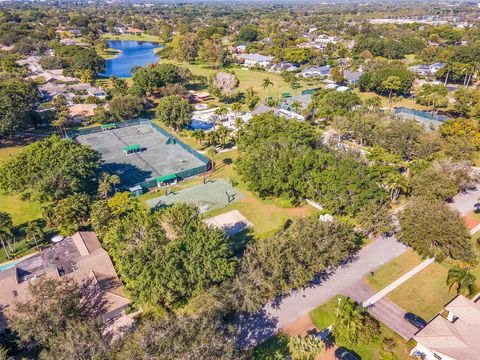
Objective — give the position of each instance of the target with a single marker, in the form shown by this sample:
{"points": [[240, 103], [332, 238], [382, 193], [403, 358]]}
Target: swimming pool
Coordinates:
{"points": [[10, 264], [200, 125]]}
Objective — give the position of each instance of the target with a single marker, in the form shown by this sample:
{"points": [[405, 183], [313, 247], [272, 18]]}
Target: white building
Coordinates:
{"points": [[256, 60]]}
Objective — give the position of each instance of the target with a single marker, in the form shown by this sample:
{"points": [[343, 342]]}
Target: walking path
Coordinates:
{"points": [[372, 300]]}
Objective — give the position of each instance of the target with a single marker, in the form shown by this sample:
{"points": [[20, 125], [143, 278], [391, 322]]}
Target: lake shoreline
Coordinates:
{"points": [[128, 54]]}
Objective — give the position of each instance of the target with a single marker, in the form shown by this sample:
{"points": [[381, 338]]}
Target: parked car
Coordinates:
{"points": [[344, 354], [415, 320]]}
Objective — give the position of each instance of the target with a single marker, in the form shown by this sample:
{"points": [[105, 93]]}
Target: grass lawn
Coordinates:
{"points": [[424, 294], [110, 53], [324, 316], [409, 103], [20, 210], [249, 78], [143, 37], [393, 270]]}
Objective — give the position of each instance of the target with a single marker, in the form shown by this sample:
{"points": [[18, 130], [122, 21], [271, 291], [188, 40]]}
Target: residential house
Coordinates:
{"points": [[322, 71], [80, 257], [256, 60], [283, 66], [435, 67], [134, 31], [263, 109], [302, 100], [454, 335], [352, 77], [79, 112], [88, 90]]}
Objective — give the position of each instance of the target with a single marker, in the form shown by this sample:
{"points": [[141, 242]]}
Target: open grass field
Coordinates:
{"points": [[324, 316], [143, 37], [250, 78], [409, 103], [20, 210]]}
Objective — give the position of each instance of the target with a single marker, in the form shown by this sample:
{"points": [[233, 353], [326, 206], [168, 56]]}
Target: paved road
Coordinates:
{"points": [[465, 202], [278, 314]]}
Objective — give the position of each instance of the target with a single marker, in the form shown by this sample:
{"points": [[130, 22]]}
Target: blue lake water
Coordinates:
{"points": [[133, 53]]}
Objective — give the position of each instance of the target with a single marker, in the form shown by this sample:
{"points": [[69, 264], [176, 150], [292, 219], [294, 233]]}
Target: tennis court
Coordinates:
{"points": [[206, 197], [428, 120], [158, 156]]}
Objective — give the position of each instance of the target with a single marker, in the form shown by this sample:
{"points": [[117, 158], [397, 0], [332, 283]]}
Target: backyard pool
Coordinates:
{"points": [[200, 125], [10, 264]]}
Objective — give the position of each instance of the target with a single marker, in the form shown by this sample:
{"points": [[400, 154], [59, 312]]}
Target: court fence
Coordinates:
{"points": [[148, 184]]}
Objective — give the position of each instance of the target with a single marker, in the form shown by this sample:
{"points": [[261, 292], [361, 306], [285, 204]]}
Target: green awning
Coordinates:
{"points": [[109, 126], [286, 94], [132, 148], [165, 178]]}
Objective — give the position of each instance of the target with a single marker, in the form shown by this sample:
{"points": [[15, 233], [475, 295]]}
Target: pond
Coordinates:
{"points": [[133, 53]]}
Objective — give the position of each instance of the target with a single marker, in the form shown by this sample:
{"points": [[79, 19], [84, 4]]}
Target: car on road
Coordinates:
{"points": [[344, 354], [415, 320]]}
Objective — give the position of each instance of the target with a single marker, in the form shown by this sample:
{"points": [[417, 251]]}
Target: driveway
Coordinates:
{"points": [[282, 312], [384, 310], [465, 202]]}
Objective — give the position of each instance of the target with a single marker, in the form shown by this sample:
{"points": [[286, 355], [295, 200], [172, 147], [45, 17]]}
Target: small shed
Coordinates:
{"points": [[136, 190]]}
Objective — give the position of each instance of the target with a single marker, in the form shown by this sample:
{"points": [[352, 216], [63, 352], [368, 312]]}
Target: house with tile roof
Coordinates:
{"points": [[80, 257], [452, 335]]}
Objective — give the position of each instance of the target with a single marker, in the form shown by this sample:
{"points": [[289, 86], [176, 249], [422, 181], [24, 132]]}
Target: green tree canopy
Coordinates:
{"points": [[170, 257], [17, 100], [432, 228], [50, 169], [174, 111]]}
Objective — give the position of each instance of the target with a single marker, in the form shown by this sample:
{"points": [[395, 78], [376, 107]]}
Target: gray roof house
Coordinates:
{"points": [[322, 71], [352, 76]]}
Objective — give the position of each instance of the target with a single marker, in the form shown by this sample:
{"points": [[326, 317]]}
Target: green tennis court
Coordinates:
{"points": [[215, 194]]}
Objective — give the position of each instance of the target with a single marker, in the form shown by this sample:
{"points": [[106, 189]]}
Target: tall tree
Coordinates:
{"points": [[463, 280], [432, 228], [174, 111], [392, 83], [33, 232], [353, 325]]}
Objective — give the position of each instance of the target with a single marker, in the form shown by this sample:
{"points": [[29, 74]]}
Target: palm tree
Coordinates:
{"points": [[236, 108], [220, 113], [265, 84], [349, 316], [212, 153], [463, 279], [6, 232], [199, 135], [395, 183], [296, 107], [392, 84], [211, 138], [223, 132], [33, 232], [106, 183]]}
